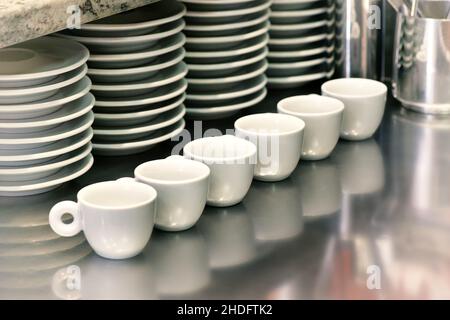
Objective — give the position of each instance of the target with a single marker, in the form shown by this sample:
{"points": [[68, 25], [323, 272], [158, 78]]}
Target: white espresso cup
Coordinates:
{"points": [[232, 162], [278, 138], [117, 218], [323, 118], [182, 187], [364, 101]]}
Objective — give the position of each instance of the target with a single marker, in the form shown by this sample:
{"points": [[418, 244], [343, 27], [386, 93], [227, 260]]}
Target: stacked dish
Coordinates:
{"points": [[301, 45], [45, 115], [137, 70], [226, 50]]}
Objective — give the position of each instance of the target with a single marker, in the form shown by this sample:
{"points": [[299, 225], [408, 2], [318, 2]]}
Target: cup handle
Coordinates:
{"points": [[56, 223], [126, 179], [175, 157]]}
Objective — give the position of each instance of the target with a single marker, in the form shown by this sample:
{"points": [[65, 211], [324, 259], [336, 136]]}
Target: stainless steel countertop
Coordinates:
{"points": [[377, 207]]}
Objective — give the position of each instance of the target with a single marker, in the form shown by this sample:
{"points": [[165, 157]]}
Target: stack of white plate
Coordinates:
{"points": [[45, 115], [226, 50], [137, 70], [301, 46]]}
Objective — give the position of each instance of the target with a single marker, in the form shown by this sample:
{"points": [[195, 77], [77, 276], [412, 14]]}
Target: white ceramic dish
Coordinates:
{"points": [[156, 96], [140, 145], [128, 44], [226, 110], [69, 112], [39, 60], [298, 26], [297, 64], [160, 79], [138, 117], [299, 40], [68, 173], [40, 171], [239, 90], [139, 58], [138, 21], [41, 91], [295, 81], [46, 137], [28, 157], [228, 13], [294, 54], [44, 107], [300, 13], [137, 73], [129, 133]]}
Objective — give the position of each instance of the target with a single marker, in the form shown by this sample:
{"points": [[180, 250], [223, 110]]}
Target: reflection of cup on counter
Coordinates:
{"points": [[360, 165], [229, 235], [275, 210], [180, 262], [319, 186]]}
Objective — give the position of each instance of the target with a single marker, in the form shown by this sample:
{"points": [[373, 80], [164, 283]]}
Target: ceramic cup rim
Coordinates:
{"points": [[299, 124], [338, 108], [379, 87], [251, 150], [203, 170], [151, 195]]}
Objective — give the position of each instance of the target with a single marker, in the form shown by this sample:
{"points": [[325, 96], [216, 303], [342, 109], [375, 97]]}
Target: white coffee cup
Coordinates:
{"points": [[232, 162], [364, 101], [323, 118], [182, 187], [278, 138], [117, 218]]}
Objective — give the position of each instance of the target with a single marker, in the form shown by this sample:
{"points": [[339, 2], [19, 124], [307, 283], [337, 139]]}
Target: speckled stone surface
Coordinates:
{"points": [[21, 20]]}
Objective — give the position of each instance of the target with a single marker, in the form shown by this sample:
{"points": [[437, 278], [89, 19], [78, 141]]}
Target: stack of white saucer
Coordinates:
{"points": [[45, 115], [137, 70], [226, 50], [301, 46]]}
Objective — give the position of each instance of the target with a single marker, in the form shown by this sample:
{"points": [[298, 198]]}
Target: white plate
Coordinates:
{"points": [[294, 54], [36, 139], [138, 117], [41, 91], [41, 171], [242, 48], [300, 26], [229, 13], [128, 44], [162, 78], [300, 13], [129, 133], [141, 145], [44, 107], [39, 60], [139, 58], [70, 111], [300, 40], [240, 89], [214, 84], [161, 94], [142, 20], [208, 28], [226, 110], [28, 157], [66, 174], [138, 73], [296, 81]]}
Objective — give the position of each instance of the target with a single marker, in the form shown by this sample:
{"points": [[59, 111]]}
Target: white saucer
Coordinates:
{"points": [[162, 78], [295, 81], [139, 58], [70, 111], [9, 141], [140, 145], [160, 94], [41, 171], [292, 54], [28, 157], [299, 40], [300, 13], [297, 64], [299, 26], [128, 44], [240, 89], [41, 91], [226, 110], [228, 13], [39, 60], [142, 20], [68, 173], [124, 134], [138, 117], [137, 73], [44, 107]]}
